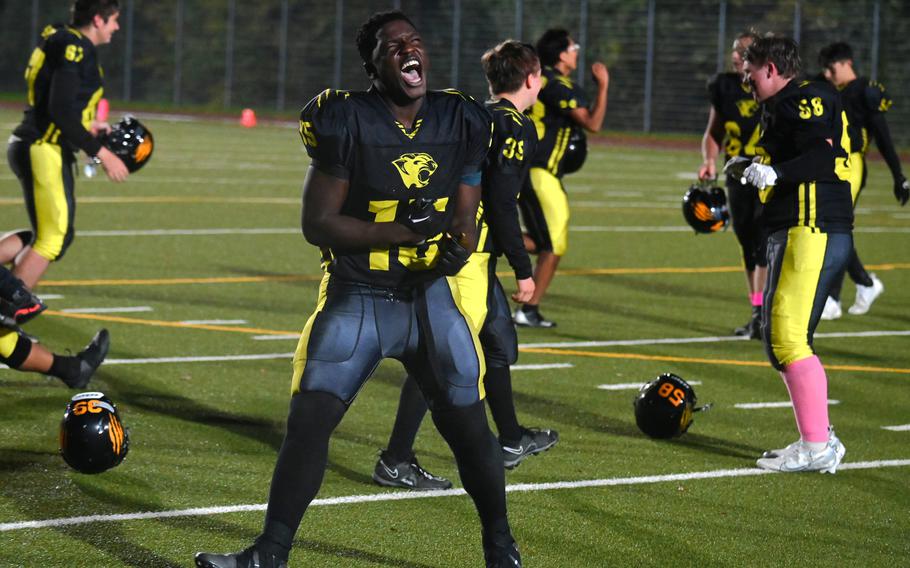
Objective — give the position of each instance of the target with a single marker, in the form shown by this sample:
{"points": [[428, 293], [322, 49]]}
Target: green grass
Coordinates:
{"points": [[206, 434]]}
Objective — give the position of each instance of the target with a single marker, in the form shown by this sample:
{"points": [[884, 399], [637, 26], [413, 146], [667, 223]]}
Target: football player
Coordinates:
{"points": [[733, 122], [808, 215], [513, 73], [561, 110], [378, 157], [865, 103], [18, 352], [64, 86]]}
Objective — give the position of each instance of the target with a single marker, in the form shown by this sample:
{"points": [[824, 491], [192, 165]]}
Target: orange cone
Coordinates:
{"points": [[248, 118], [103, 109]]}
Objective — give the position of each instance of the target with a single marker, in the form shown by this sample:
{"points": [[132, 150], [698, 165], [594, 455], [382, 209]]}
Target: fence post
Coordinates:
{"points": [[519, 18], [229, 53], [797, 21], [178, 51], [582, 70], [721, 36], [456, 42], [128, 53], [282, 54], [876, 31], [339, 17], [649, 67]]}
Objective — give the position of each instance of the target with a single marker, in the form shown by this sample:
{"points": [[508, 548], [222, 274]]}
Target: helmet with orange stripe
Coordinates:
{"points": [[92, 437], [705, 208], [131, 141]]}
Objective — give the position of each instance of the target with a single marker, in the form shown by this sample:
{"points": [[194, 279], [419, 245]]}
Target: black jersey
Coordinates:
{"points": [[861, 99], [64, 86], [504, 172], [558, 97], [353, 136], [798, 119], [738, 111]]}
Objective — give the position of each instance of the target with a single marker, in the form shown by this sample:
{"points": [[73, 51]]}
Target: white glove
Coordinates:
{"points": [[759, 175]]}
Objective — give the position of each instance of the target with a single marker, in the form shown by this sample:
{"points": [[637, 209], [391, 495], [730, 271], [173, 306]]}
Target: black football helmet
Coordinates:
{"points": [[664, 407], [92, 437], [131, 141], [705, 208], [576, 151]]}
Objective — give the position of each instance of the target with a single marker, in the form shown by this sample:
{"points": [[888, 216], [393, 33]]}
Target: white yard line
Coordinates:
{"points": [[685, 340], [407, 495], [631, 386], [901, 428], [122, 310], [189, 232], [287, 337], [758, 405]]}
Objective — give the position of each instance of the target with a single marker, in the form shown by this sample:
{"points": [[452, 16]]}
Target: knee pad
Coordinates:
{"points": [[14, 349]]}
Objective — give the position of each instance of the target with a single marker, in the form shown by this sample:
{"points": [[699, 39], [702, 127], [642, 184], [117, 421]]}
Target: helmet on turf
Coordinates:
{"points": [[576, 151], [705, 208], [131, 141], [92, 438], [664, 407]]}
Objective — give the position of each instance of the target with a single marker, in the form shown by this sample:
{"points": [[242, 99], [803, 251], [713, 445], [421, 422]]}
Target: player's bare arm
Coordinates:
{"points": [[710, 146], [464, 223], [593, 119]]}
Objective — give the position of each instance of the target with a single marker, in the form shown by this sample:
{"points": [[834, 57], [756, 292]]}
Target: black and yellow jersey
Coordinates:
{"points": [[861, 99], [504, 173], [804, 134], [738, 111], [65, 83], [353, 136], [558, 97]]}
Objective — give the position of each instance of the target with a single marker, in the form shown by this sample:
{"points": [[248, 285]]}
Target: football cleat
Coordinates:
{"points": [[832, 310], [752, 328], [91, 358], [502, 556], [407, 475], [248, 558], [798, 457], [833, 441], [20, 308], [533, 441], [865, 295], [531, 318]]}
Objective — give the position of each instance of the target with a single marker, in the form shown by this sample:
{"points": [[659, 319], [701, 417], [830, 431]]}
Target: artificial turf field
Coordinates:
{"points": [[209, 232]]}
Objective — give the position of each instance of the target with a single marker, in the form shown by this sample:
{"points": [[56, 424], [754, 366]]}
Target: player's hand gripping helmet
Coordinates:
{"points": [[131, 141], [705, 208], [664, 407], [576, 151], [92, 438]]}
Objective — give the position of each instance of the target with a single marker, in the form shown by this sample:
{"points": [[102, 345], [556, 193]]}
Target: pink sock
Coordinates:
{"points": [[756, 298], [808, 388]]}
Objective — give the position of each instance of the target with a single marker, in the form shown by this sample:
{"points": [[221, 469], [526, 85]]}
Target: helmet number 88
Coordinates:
{"points": [[674, 395], [84, 406]]}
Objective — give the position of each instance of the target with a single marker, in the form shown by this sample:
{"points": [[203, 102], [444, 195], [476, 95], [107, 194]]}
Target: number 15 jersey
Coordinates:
{"points": [[353, 136]]}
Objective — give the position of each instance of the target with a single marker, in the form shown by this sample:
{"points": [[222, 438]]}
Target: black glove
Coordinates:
{"points": [[452, 255], [424, 219], [901, 189]]}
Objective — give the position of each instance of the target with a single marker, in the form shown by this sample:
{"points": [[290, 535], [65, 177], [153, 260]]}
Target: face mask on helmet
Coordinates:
{"points": [[664, 406], [576, 151], [705, 208], [131, 141], [92, 437]]}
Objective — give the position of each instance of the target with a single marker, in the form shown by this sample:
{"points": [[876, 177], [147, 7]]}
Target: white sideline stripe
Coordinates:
{"points": [[123, 310], [683, 340], [205, 359], [901, 428], [214, 322], [51, 296], [787, 404], [684, 229], [631, 386], [275, 337], [188, 232], [407, 495], [541, 367]]}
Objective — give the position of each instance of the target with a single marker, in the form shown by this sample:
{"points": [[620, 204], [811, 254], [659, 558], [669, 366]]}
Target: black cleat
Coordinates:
{"points": [[533, 441], [91, 358], [249, 558], [752, 329], [531, 318], [502, 555], [407, 474], [20, 308]]}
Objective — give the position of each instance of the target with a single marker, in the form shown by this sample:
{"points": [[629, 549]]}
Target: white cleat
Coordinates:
{"points": [[832, 309], [797, 457], [865, 295]]}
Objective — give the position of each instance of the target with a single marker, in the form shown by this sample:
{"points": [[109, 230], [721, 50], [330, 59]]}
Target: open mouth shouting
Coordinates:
{"points": [[412, 71]]}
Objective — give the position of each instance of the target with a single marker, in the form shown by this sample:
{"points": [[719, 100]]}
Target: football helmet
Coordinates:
{"points": [[664, 406], [705, 208], [131, 141], [92, 437], [576, 151]]}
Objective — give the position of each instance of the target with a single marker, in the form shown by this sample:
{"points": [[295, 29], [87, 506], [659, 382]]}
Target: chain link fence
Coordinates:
{"points": [[276, 54]]}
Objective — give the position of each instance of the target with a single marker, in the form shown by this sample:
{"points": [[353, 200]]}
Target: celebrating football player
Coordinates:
{"points": [[379, 157], [808, 214], [865, 103], [64, 87], [561, 111], [733, 122], [513, 72]]}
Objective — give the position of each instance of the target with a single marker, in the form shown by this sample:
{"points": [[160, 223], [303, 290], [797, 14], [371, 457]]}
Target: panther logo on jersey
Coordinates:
{"points": [[747, 107], [415, 169]]}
